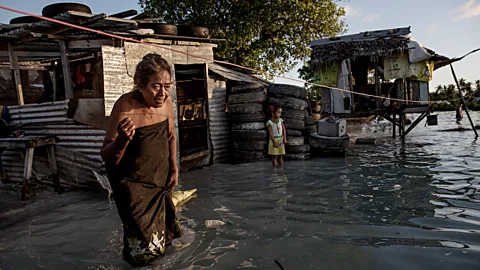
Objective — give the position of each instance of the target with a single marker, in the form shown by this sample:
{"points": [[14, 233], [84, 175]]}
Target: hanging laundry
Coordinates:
{"points": [[329, 75], [88, 67], [79, 78]]}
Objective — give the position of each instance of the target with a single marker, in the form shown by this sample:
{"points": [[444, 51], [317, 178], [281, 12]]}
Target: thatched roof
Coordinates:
{"points": [[372, 44]]}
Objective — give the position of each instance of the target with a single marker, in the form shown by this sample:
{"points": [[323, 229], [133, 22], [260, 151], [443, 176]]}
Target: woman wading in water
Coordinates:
{"points": [[140, 155]]}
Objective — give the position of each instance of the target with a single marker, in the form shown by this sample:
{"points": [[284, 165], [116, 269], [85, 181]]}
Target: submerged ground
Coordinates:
{"points": [[328, 213]]}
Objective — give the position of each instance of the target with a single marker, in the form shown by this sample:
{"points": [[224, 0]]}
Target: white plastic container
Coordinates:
{"points": [[332, 129]]}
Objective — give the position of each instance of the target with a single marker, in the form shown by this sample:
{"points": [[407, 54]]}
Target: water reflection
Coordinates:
{"points": [[397, 205]]}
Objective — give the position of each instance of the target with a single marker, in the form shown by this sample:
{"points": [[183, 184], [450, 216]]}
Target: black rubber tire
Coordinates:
{"points": [[248, 117], [297, 149], [294, 133], [249, 155], [289, 102], [246, 108], [297, 157], [293, 114], [310, 129], [249, 135], [286, 90], [294, 124], [248, 88], [58, 8], [295, 140], [161, 28], [24, 19], [193, 31], [260, 145], [309, 121], [329, 144], [249, 126], [255, 97]]}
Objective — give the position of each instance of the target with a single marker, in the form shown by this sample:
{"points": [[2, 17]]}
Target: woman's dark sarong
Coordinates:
{"points": [[139, 189]]}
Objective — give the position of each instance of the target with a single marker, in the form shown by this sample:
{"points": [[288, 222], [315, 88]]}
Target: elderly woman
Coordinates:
{"points": [[140, 155]]}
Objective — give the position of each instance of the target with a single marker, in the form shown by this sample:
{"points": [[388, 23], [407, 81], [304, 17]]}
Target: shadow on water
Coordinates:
{"points": [[397, 205]]}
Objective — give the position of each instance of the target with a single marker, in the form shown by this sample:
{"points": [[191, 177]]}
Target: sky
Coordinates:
{"points": [[449, 27]]}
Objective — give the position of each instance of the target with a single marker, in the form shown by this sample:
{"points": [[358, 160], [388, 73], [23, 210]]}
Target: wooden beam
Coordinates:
{"points": [[67, 79], [16, 74], [62, 29], [414, 124], [88, 44], [124, 14], [143, 15], [30, 54], [463, 101]]}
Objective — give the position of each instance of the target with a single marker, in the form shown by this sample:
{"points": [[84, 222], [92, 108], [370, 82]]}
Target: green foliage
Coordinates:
{"points": [[450, 92], [270, 35], [306, 74]]}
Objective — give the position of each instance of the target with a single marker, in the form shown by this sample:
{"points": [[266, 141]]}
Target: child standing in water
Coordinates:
{"points": [[277, 132]]}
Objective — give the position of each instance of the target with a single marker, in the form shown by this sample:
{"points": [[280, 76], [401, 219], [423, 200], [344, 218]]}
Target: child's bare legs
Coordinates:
{"points": [[274, 161], [280, 161]]}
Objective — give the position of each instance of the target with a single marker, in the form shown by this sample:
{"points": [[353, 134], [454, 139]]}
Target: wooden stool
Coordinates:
{"points": [[29, 143]]}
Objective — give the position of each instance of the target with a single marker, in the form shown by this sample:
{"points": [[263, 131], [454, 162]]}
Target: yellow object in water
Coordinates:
{"points": [[180, 197]]}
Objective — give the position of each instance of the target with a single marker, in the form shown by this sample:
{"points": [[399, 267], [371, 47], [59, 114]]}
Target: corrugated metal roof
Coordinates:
{"points": [[13, 31], [364, 36], [234, 75]]}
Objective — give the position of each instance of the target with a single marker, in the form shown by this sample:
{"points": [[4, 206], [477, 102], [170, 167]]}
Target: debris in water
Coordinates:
{"points": [[180, 197], [214, 224], [397, 187]]}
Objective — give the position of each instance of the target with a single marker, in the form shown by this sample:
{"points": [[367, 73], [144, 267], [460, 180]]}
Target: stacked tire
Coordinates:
{"points": [[295, 115], [246, 106]]}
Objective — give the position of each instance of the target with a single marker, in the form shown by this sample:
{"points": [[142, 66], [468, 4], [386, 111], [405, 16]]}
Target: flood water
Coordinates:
{"points": [[329, 213]]}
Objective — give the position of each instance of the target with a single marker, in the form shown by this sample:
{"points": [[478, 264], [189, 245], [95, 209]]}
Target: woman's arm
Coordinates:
{"points": [[172, 138], [114, 145], [172, 147]]}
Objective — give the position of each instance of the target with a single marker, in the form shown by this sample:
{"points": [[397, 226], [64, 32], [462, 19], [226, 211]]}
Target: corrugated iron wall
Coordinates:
{"points": [[78, 149], [219, 122]]}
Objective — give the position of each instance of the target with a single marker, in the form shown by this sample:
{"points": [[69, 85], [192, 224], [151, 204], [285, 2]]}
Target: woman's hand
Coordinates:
{"points": [[172, 181], [126, 129], [285, 140]]}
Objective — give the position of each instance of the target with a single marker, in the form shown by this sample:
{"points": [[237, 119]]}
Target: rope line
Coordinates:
{"points": [[203, 58]]}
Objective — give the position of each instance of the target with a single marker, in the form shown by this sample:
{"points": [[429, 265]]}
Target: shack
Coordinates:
{"points": [[386, 63], [65, 81]]}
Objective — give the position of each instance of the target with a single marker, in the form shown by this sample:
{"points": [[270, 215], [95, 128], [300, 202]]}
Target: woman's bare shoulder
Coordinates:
{"points": [[124, 103]]}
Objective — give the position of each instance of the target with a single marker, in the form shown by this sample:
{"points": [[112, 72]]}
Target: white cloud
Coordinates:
{"points": [[370, 18], [352, 11], [468, 10]]}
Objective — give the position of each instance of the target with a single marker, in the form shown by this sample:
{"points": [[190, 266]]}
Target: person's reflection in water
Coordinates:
{"points": [[278, 188]]}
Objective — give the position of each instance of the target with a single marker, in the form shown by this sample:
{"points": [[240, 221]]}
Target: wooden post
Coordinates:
{"points": [[16, 73], [463, 101], [52, 160], [54, 82], [3, 174], [377, 86], [27, 173], [404, 122], [394, 125], [67, 79]]}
